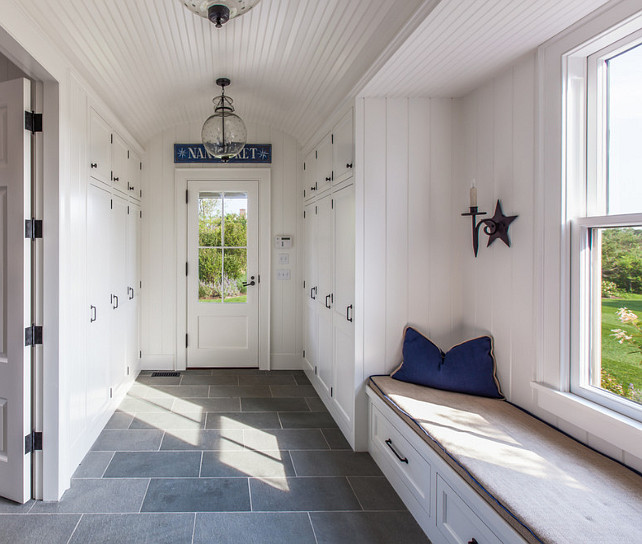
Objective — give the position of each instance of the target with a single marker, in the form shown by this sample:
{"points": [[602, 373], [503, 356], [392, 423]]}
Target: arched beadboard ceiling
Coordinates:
{"points": [[291, 62]]}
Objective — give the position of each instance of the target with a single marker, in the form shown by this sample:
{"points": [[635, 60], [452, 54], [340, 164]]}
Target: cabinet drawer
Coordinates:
{"points": [[413, 469], [457, 522]]}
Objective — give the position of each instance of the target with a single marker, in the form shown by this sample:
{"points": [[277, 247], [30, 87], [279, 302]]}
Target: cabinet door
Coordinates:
{"points": [[324, 163], [343, 148], [99, 148], [98, 299], [134, 166], [309, 175], [118, 267], [311, 286], [133, 282], [120, 164], [344, 301], [325, 228]]}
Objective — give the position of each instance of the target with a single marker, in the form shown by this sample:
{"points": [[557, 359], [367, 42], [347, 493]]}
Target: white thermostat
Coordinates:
{"points": [[283, 241]]}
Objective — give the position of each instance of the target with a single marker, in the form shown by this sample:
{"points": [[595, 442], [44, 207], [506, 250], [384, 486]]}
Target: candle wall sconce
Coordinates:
{"points": [[495, 227]]}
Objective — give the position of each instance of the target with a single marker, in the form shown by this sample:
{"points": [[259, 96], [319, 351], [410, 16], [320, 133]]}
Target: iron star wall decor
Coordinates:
{"points": [[494, 227]]}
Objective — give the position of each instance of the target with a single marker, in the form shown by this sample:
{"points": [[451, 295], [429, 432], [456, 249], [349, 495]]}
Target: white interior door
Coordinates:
{"points": [[222, 274], [15, 290], [118, 234]]}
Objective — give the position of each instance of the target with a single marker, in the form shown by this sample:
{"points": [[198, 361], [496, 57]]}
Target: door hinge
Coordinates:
{"points": [[186, 340], [258, 278], [186, 196], [33, 442], [33, 122], [33, 335], [33, 228]]}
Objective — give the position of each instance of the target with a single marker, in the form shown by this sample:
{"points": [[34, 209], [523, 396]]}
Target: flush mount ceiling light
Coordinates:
{"points": [[221, 11], [224, 134]]}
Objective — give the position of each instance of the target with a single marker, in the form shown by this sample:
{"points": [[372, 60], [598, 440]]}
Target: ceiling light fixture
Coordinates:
{"points": [[219, 11], [224, 133]]}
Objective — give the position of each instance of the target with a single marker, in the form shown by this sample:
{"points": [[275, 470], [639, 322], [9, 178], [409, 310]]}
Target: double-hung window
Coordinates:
{"points": [[604, 199]]}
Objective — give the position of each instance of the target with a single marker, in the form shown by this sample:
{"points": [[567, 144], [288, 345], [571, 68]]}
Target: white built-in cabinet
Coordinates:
{"points": [[329, 273], [113, 263]]}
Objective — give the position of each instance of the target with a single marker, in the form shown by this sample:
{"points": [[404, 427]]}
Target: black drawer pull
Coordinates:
{"points": [[94, 165], [402, 459], [349, 313], [473, 541]]}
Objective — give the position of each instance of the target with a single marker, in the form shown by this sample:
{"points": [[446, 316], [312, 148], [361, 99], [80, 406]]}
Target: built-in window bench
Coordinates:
{"points": [[479, 470]]}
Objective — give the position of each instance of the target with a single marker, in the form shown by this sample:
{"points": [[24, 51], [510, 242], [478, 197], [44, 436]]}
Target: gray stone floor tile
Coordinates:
{"points": [[134, 529], [302, 494], [197, 495], [214, 379], [120, 420], [159, 380], [279, 391], [239, 420], [334, 463], [376, 493], [302, 379], [128, 440], [254, 391], [97, 497], [154, 464], [285, 439], [208, 439], [37, 529], [199, 404], [94, 464], [336, 440], [180, 391], [10, 507], [244, 464], [274, 405], [197, 371], [273, 378], [132, 404], [315, 404], [306, 420], [169, 420], [254, 528], [367, 528]]}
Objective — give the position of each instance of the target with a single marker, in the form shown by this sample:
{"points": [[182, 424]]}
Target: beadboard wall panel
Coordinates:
{"points": [[407, 266], [159, 308]]}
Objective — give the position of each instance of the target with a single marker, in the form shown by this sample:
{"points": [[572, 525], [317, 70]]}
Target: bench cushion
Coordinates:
{"points": [[547, 486]]}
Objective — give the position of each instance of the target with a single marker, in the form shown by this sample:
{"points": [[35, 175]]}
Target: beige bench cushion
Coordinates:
{"points": [[547, 486]]}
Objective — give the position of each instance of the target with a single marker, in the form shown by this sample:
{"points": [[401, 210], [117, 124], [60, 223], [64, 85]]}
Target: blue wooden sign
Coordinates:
{"points": [[196, 153]]}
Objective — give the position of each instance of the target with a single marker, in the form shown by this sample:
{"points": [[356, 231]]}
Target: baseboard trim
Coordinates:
{"points": [[285, 361], [157, 362]]}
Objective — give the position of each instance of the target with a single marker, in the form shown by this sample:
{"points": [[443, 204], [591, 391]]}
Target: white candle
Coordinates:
{"points": [[473, 195]]}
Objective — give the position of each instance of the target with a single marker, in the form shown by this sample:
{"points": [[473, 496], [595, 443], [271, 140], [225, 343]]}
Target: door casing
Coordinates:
{"points": [[263, 177]]}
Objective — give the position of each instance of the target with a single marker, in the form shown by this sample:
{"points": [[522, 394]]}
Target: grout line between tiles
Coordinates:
{"points": [[326, 439], [249, 490], [76, 527], [313, 531], [194, 528], [110, 460], [200, 468], [149, 481], [355, 493]]}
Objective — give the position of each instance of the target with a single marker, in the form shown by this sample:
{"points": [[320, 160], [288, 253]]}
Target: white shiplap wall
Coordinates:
{"points": [[408, 240], [158, 335]]}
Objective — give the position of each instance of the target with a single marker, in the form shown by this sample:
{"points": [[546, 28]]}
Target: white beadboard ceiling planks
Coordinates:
{"points": [[465, 41], [291, 62]]}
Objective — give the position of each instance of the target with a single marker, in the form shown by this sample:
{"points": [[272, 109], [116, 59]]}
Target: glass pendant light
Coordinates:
{"points": [[219, 11], [224, 133]]}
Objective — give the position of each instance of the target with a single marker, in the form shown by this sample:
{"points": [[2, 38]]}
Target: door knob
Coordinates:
{"points": [[250, 283]]}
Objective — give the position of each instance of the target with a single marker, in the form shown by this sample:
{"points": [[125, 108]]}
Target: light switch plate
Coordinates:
{"points": [[283, 274], [284, 258]]}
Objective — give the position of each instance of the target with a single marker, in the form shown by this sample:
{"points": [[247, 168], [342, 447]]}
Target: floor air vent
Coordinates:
{"points": [[166, 374]]}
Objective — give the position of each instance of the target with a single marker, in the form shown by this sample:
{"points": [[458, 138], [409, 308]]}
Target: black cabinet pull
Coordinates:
{"points": [[115, 297], [116, 179], [130, 290], [402, 459], [349, 165], [313, 293], [328, 179], [349, 313], [94, 165], [93, 313], [313, 188], [473, 541], [326, 301]]}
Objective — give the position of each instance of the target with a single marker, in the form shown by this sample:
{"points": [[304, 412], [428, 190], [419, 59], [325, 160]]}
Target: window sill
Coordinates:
{"points": [[620, 431]]}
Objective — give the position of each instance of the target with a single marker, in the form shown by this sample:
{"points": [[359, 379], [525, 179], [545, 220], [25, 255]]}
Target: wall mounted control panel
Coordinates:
{"points": [[283, 241]]}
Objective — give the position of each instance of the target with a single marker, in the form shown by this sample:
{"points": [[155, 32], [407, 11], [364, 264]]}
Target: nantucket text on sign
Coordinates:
{"points": [[196, 153]]}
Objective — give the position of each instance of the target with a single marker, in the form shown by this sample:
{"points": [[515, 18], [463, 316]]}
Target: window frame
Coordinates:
{"points": [[587, 171]]}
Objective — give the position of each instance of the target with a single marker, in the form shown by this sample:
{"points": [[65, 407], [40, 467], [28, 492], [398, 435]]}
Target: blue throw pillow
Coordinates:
{"points": [[467, 368]]}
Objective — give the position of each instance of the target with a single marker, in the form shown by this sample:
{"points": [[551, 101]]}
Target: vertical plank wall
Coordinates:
{"points": [[158, 319], [407, 269]]}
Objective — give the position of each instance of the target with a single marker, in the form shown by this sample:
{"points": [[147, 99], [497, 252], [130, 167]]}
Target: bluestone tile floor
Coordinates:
{"points": [[219, 456]]}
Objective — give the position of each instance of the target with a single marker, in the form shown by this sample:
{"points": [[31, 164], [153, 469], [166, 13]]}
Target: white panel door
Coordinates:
{"points": [[99, 148], [343, 149], [311, 288], [325, 244], [222, 274], [118, 257], [15, 290], [323, 172], [309, 175], [120, 164], [133, 285], [343, 319]]}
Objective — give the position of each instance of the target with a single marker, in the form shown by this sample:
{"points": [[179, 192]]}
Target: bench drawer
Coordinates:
{"points": [[412, 468], [457, 522]]}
